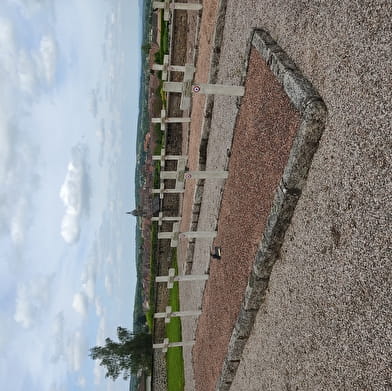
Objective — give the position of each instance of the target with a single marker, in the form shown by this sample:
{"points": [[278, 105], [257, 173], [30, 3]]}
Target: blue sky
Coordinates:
{"points": [[69, 74]]}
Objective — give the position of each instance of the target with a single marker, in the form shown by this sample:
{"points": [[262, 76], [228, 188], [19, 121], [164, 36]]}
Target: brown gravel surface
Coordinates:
{"points": [[262, 139], [326, 321]]}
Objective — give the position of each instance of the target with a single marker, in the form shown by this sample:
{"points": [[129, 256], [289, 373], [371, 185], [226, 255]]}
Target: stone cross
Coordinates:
{"points": [[163, 120], [165, 67], [166, 344], [183, 87], [178, 175], [171, 278], [162, 191], [175, 234], [186, 88], [161, 218], [163, 157], [167, 6], [181, 175], [170, 314]]}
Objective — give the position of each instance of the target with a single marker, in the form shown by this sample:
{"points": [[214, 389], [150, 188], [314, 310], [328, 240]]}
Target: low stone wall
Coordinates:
{"points": [[159, 377]]}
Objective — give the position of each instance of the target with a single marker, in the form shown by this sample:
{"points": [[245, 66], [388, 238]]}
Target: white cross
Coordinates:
{"points": [[178, 175], [183, 87], [181, 175], [162, 218], [165, 67], [175, 234], [163, 157], [171, 278], [163, 120], [170, 314], [166, 344], [186, 88], [162, 191], [167, 6]]}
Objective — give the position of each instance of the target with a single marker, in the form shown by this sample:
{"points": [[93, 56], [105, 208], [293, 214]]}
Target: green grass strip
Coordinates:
{"points": [[174, 359]]}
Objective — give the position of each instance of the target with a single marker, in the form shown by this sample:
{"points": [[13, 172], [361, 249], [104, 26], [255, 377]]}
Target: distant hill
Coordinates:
{"points": [[142, 129]]}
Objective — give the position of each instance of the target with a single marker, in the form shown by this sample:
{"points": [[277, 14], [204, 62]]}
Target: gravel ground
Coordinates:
{"points": [[326, 321]]}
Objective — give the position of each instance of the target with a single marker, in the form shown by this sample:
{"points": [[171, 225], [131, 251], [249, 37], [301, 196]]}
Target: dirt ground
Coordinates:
{"points": [[326, 321]]}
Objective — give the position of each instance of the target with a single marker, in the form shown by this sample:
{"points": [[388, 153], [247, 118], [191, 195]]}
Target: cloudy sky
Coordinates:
{"points": [[69, 77]]}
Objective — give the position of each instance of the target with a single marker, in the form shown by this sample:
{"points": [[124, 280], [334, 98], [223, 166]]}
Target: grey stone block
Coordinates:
{"points": [[245, 321], [305, 145], [298, 89], [278, 220], [223, 386], [236, 346], [255, 291], [229, 370]]}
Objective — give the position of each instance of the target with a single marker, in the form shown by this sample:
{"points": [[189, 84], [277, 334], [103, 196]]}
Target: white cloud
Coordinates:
{"points": [[76, 351], [89, 288], [8, 46], [31, 300], [74, 194], [58, 337], [101, 332], [48, 53], [79, 303], [27, 72], [98, 373], [94, 102], [98, 307], [82, 381], [109, 285], [18, 222]]}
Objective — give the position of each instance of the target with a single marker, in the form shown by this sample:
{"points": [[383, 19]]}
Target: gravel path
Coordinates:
{"points": [[326, 321]]}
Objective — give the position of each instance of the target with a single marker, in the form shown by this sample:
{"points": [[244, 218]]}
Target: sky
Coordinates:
{"points": [[69, 77]]}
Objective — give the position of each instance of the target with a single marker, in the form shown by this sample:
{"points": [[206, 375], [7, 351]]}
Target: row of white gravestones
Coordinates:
{"points": [[180, 175], [168, 5], [186, 87], [170, 279]]}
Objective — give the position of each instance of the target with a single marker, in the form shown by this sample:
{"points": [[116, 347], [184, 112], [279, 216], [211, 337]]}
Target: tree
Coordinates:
{"points": [[132, 353]]}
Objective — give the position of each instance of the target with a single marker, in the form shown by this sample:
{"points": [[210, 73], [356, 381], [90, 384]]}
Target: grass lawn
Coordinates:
{"points": [[175, 363]]}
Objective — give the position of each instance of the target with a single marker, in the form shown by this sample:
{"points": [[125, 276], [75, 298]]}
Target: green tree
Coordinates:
{"points": [[132, 353], [146, 48]]}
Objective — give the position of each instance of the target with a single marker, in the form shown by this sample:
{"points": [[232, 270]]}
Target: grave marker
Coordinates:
{"points": [[175, 234], [171, 278], [166, 67], [163, 120], [162, 218], [170, 314], [168, 6], [166, 344]]}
